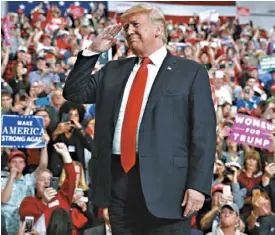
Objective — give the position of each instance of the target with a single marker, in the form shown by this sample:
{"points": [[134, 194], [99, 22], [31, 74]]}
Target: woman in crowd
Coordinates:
{"points": [[81, 217], [71, 132], [252, 174]]}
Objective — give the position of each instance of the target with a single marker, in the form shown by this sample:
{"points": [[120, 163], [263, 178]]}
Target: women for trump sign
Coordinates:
{"points": [[22, 131], [252, 131]]}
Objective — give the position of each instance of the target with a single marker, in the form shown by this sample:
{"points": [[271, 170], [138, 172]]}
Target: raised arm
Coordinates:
{"points": [[67, 189], [81, 86], [43, 164]]}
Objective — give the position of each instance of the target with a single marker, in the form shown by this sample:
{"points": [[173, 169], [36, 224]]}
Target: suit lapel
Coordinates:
{"points": [[122, 79], [162, 79]]}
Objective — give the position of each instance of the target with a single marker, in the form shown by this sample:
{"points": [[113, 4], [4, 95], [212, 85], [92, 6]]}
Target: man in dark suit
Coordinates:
{"points": [[155, 131]]}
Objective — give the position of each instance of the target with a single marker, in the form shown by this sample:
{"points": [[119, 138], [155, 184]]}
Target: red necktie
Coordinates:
{"points": [[131, 117]]}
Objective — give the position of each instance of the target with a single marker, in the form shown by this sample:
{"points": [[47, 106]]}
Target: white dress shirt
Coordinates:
{"points": [[157, 58]]}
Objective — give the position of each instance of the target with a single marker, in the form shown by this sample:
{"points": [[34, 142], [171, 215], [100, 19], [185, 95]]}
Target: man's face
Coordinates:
{"points": [[254, 73], [141, 34], [45, 116], [251, 45], [229, 218], [57, 98], [251, 83], [6, 102], [43, 182], [21, 55], [188, 51], [41, 64], [47, 41], [18, 163]]}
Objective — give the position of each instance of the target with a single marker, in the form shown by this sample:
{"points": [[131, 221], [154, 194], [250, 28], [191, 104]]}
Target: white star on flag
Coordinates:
{"points": [[22, 6]]}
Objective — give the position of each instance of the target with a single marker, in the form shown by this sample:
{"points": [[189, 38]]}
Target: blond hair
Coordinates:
{"points": [[82, 182], [156, 16], [42, 171]]}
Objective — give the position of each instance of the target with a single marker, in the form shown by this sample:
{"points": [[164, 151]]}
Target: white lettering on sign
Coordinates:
{"points": [[22, 130], [253, 122], [24, 123], [250, 139]]}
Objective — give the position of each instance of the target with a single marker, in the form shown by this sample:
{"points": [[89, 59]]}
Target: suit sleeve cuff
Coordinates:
{"points": [[87, 52]]}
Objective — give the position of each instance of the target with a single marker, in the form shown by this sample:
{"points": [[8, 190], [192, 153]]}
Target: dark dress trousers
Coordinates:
{"points": [[177, 136]]}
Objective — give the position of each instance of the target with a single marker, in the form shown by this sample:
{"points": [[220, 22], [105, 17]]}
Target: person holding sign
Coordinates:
{"points": [[17, 186]]}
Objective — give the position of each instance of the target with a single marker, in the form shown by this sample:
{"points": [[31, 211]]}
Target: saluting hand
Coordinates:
{"points": [[106, 39]]}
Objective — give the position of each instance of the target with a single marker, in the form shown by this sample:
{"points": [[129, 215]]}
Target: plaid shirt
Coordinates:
{"points": [[21, 188]]}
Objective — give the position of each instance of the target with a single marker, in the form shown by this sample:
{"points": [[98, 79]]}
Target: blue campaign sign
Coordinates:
{"points": [[20, 131]]}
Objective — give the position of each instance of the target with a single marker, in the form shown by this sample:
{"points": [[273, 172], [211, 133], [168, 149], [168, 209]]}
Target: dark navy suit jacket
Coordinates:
{"points": [[177, 137]]}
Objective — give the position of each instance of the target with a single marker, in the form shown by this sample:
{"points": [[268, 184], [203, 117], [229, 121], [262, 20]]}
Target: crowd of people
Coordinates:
{"points": [[42, 49]]}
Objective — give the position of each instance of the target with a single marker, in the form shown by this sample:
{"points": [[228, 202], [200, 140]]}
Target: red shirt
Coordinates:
{"points": [[33, 206], [249, 182]]}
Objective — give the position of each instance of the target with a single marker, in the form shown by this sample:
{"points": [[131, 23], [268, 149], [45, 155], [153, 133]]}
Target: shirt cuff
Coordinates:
{"points": [[87, 52]]}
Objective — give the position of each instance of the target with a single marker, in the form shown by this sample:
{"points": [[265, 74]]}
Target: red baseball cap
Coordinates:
{"points": [[17, 153], [252, 68], [217, 187], [44, 36]]}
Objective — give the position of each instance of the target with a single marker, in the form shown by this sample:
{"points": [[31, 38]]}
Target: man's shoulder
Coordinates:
{"points": [[4, 181], [33, 200], [187, 62], [29, 177], [34, 72]]}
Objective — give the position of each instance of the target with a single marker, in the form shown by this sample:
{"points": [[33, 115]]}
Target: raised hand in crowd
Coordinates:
{"points": [[78, 201], [62, 149], [268, 173], [76, 124], [18, 108], [225, 199], [45, 137], [61, 128], [29, 103], [48, 195], [261, 207], [22, 230]]}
